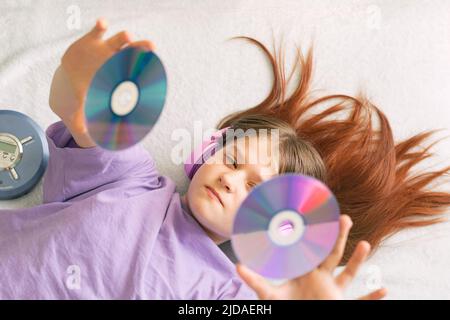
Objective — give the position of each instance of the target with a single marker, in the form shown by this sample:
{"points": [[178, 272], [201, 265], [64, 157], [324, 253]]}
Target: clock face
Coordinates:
{"points": [[23, 154], [8, 148], [10, 151]]}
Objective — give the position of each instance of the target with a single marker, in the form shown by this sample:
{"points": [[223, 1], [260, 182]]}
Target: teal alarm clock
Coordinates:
{"points": [[23, 154]]}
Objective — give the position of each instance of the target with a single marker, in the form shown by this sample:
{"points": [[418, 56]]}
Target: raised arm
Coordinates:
{"points": [[77, 167]]}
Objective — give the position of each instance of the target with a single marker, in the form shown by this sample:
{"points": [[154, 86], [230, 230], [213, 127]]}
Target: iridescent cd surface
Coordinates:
{"points": [[125, 98], [286, 226]]}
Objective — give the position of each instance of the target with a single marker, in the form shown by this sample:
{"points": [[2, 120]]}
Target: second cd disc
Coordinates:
{"points": [[286, 226]]}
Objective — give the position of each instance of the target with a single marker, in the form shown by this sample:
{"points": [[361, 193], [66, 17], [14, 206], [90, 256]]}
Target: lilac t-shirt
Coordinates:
{"points": [[110, 227]]}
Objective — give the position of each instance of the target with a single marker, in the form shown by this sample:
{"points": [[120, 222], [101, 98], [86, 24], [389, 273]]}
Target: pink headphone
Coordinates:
{"points": [[203, 152]]}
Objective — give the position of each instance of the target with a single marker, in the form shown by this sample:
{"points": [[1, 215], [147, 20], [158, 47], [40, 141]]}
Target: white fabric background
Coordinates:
{"points": [[398, 51]]}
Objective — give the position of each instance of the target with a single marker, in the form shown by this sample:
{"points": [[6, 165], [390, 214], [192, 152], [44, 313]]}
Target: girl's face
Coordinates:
{"points": [[222, 183]]}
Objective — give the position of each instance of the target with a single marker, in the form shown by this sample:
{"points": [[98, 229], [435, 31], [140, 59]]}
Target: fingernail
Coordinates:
{"points": [[348, 218]]}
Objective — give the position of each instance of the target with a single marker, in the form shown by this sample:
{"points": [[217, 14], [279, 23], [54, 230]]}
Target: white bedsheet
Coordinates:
{"points": [[398, 51]]}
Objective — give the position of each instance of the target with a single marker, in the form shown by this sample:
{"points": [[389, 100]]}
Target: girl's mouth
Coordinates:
{"points": [[213, 194]]}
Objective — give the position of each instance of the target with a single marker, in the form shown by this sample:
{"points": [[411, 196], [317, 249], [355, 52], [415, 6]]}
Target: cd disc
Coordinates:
{"points": [[125, 98], [286, 226]]}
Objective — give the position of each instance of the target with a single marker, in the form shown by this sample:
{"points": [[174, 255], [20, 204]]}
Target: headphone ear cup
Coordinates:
{"points": [[197, 157]]}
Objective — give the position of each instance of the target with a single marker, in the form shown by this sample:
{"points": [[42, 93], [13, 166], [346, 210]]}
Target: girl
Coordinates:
{"points": [[112, 227]]}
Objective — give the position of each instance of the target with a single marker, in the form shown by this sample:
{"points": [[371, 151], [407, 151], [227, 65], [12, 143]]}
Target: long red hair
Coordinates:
{"points": [[370, 174]]}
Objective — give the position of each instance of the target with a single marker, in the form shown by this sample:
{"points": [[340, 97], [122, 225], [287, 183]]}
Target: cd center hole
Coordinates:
{"points": [[286, 227], [125, 98]]}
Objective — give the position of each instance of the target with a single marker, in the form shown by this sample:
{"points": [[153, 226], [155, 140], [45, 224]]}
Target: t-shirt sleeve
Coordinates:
{"points": [[73, 171]]}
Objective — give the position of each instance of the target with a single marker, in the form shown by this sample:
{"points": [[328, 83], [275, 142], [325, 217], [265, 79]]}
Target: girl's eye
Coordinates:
{"points": [[251, 184], [231, 160]]}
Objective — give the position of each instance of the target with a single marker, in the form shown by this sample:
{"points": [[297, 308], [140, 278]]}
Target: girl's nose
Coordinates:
{"points": [[229, 181], [224, 182]]}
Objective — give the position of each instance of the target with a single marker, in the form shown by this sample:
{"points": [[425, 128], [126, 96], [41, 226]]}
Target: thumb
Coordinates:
{"points": [[255, 281]]}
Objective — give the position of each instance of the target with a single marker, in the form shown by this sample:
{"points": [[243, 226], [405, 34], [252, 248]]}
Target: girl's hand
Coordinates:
{"points": [[319, 283], [78, 66]]}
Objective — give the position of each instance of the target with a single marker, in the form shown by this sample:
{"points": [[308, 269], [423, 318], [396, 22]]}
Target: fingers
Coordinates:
{"points": [[255, 281], [146, 44], [354, 263], [99, 29], [117, 41], [375, 295], [332, 261]]}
